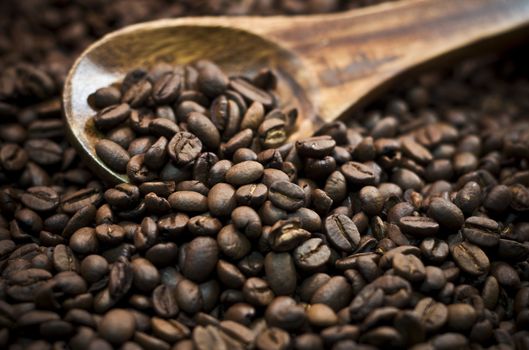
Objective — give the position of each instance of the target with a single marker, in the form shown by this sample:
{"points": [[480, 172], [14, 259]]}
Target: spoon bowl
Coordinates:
{"points": [[238, 52], [337, 62]]}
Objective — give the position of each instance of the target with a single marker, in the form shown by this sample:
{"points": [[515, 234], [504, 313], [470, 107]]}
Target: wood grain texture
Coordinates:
{"points": [[337, 61]]}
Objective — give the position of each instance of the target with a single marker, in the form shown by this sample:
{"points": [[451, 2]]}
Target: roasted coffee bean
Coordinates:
{"points": [[257, 292], [470, 258], [199, 258], [446, 213], [244, 173], [93, 268], [335, 293], [434, 250], [111, 116], [286, 195], [204, 129], [156, 155], [84, 241], [342, 232], [40, 198], [312, 254], [286, 235], [184, 147], [247, 221], [221, 199], [164, 301], [13, 157], [283, 312], [106, 96], [481, 231], [409, 267], [418, 226], [433, 315], [358, 173], [315, 147], [280, 273], [120, 278], [371, 200], [252, 195], [204, 225], [117, 326], [166, 89], [188, 296], [113, 155], [232, 243], [188, 201]]}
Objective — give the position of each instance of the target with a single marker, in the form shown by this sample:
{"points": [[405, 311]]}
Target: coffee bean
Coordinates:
{"points": [[315, 147], [117, 326], [342, 232], [312, 254], [461, 316], [409, 267], [93, 268], [358, 173], [371, 200], [446, 214], [286, 235], [273, 338], [470, 258], [286, 195], [188, 296], [156, 155], [164, 301], [188, 201], [232, 243], [432, 314], [166, 89], [247, 221], [283, 312], [434, 249], [204, 129], [105, 96], [280, 273], [335, 293], [184, 147], [481, 231], [211, 80], [111, 116], [120, 278], [145, 275], [418, 226], [252, 195], [113, 155], [13, 157], [257, 292], [40, 198], [84, 241], [244, 173], [251, 92], [199, 258], [221, 199], [75, 201]]}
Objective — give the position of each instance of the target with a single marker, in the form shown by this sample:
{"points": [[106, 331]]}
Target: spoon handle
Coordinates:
{"points": [[356, 53]]}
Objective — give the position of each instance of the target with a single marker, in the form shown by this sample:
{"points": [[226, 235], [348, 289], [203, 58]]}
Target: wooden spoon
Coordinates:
{"points": [[327, 64]]}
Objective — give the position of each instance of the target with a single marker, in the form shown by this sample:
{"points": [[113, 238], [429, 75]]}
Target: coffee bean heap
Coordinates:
{"points": [[404, 228], [170, 123]]}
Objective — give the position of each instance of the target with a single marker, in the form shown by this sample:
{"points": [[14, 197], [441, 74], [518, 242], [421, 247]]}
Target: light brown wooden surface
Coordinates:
{"points": [[335, 61]]}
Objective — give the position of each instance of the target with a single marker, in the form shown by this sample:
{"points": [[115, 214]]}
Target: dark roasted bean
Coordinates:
{"points": [[342, 232]]}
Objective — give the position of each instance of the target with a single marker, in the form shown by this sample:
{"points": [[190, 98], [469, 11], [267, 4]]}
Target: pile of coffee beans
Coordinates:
{"points": [[404, 227], [171, 123]]}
